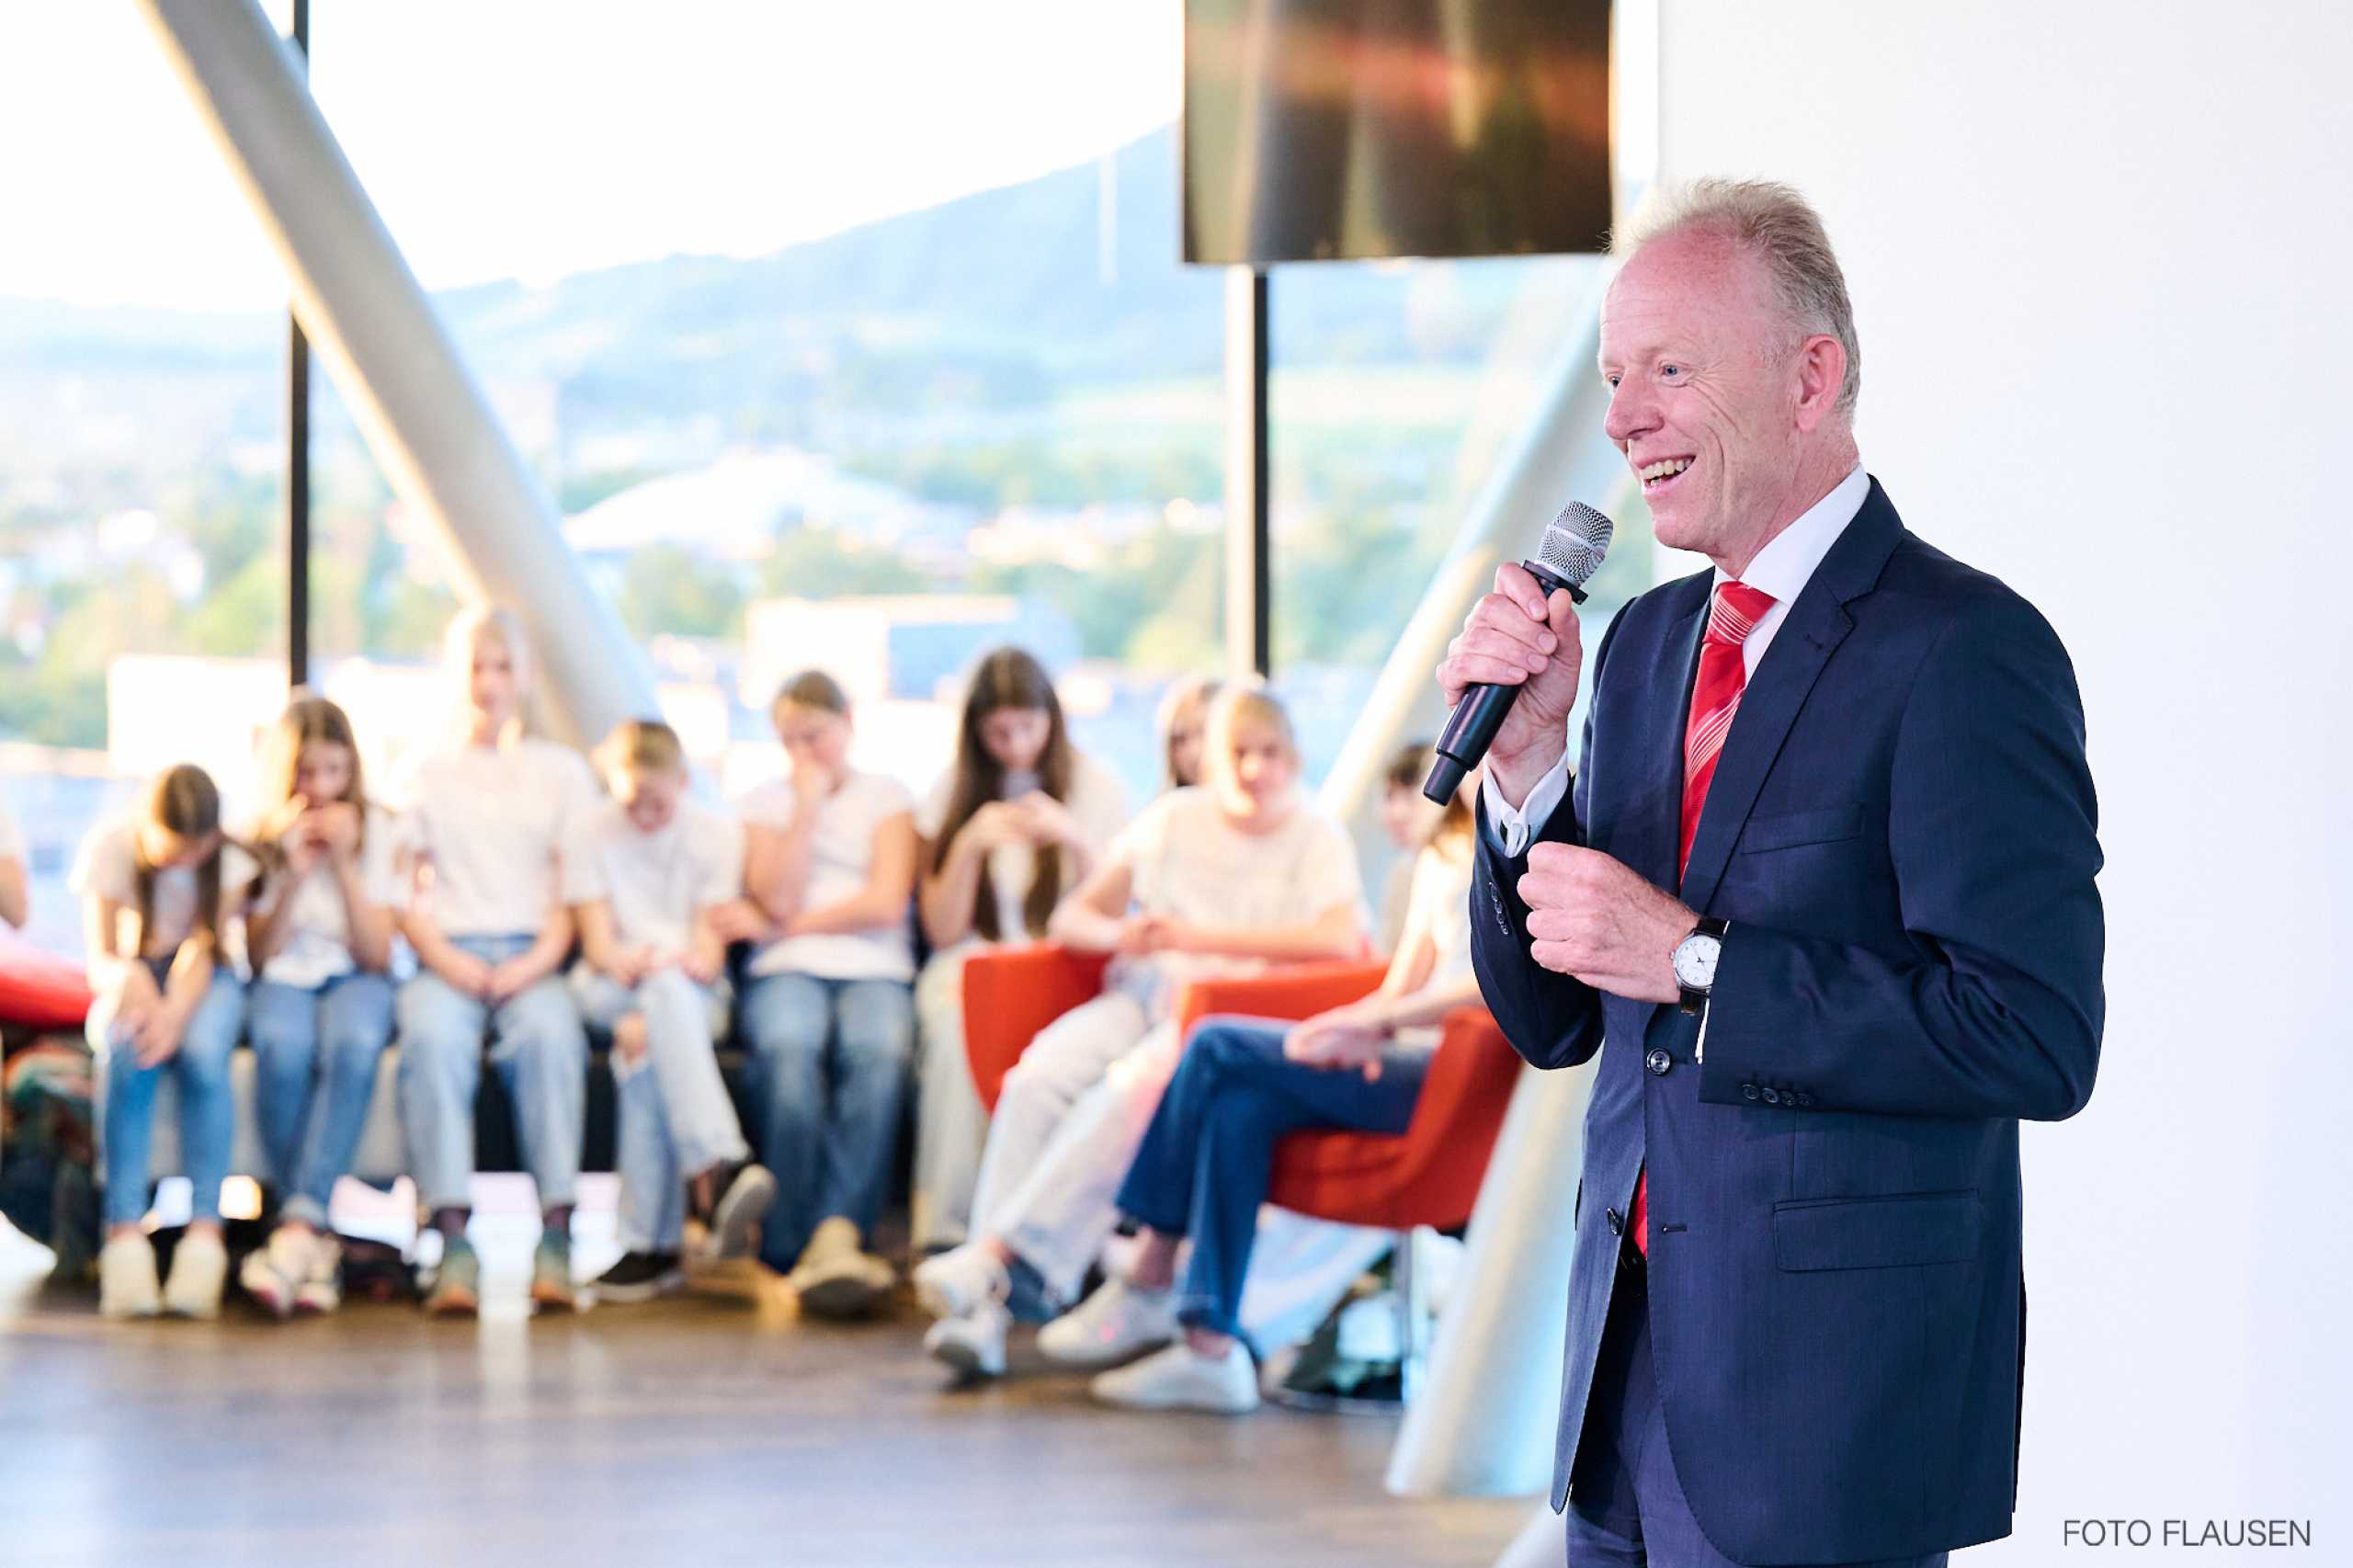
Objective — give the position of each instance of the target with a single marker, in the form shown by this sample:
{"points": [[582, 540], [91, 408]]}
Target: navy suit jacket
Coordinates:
{"points": [[1900, 831]]}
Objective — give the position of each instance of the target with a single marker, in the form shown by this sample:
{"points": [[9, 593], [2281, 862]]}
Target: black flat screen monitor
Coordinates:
{"points": [[1337, 129]]}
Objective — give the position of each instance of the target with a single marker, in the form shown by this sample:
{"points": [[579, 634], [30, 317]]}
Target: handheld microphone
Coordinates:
{"points": [[1571, 553]]}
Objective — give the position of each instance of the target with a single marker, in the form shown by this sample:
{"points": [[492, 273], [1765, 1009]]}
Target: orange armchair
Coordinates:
{"points": [[1429, 1174], [1011, 993]]}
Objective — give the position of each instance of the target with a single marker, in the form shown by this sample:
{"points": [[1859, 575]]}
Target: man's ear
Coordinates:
{"points": [[1822, 375]]}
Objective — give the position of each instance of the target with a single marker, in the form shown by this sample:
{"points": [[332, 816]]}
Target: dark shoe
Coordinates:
{"points": [[744, 1194], [640, 1276]]}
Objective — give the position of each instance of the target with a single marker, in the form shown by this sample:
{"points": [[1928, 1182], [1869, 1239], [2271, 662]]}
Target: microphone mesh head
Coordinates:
{"points": [[1575, 542]]}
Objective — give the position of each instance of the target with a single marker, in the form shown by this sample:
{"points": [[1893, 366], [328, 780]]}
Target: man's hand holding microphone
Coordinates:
{"points": [[1589, 916]]}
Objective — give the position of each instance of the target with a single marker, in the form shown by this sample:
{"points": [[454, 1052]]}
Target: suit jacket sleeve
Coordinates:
{"points": [[1994, 1008], [1551, 1019]]}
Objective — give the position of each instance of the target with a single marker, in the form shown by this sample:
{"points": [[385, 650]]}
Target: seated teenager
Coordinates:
{"points": [[1219, 878], [829, 1007], [1018, 821], [158, 889], [1242, 1085], [486, 815], [645, 873], [319, 938]]}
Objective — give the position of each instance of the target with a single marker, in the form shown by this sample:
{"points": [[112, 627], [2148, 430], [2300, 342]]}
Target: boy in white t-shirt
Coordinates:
{"points": [[828, 1009], [644, 874]]}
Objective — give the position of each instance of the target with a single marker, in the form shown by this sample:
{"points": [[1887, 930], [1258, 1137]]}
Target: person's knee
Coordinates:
{"points": [[438, 1047], [879, 1030], [1033, 1085], [283, 1039], [351, 1047], [670, 988], [785, 1034], [542, 1025], [1221, 1044]]}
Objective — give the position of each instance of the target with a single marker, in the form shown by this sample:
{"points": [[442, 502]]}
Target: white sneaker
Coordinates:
{"points": [[321, 1289], [961, 1280], [199, 1267], [1181, 1378], [273, 1273], [127, 1287], [1117, 1323], [835, 1278], [973, 1343]]}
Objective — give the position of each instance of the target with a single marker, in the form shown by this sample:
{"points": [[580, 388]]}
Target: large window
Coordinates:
{"points": [[830, 350], [142, 441]]}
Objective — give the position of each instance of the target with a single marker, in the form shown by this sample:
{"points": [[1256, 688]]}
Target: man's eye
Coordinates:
{"points": [[1669, 372], [1612, 380]]}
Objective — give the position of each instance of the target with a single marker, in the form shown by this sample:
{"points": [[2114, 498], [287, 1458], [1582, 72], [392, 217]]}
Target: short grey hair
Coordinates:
{"points": [[1772, 222]]}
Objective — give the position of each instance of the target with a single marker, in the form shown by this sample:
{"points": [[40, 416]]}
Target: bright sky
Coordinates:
{"points": [[534, 139]]}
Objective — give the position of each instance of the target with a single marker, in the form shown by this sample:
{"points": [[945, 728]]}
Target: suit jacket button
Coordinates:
{"points": [[1658, 1062], [1805, 1100], [1771, 1097], [1748, 1091], [1617, 1222]]}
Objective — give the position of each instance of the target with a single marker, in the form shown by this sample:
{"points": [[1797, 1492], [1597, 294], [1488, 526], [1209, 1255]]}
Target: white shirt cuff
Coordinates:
{"points": [[1510, 829]]}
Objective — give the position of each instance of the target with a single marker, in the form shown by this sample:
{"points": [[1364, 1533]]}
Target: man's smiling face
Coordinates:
{"points": [[1706, 385]]}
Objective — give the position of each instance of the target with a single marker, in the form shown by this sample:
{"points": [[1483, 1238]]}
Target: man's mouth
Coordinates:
{"points": [[1657, 476]]}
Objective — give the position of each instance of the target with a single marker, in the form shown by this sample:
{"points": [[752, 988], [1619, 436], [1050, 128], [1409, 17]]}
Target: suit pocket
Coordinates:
{"points": [[1786, 830], [1877, 1233]]}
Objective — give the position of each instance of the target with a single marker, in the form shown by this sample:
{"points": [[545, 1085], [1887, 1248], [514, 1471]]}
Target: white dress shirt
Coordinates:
{"points": [[1781, 569]]}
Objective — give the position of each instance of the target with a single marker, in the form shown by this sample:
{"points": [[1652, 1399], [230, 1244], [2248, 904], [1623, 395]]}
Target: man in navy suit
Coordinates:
{"points": [[1822, 895]]}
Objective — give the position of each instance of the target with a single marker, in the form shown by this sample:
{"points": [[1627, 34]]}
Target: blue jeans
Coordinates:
{"points": [[541, 1052], [1209, 1156], [830, 1062], [200, 1071], [673, 1117], [315, 1059]]}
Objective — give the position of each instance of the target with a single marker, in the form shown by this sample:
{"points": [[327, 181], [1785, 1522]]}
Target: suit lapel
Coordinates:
{"points": [[1816, 624]]}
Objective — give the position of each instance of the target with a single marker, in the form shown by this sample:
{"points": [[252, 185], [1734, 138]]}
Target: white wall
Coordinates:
{"points": [[2102, 261]]}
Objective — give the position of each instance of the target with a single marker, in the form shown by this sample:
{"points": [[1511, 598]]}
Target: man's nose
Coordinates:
{"points": [[1633, 412]]}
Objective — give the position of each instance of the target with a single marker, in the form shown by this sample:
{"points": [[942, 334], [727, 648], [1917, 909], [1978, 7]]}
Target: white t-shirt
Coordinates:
{"points": [[487, 824], [841, 855], [316, 944], [1097, 800], [654, 883], [1440, 904], [107, 867], [1185, 861]]}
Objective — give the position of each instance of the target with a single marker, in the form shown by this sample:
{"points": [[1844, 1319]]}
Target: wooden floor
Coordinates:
{"points": [[695, 1431]]}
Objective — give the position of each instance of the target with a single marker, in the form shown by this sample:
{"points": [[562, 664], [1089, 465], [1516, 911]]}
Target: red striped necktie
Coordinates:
{"points": [[1715, 695]]}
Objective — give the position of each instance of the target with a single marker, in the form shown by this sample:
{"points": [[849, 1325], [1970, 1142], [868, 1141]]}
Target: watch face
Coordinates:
{"points": [[1695, 961]]}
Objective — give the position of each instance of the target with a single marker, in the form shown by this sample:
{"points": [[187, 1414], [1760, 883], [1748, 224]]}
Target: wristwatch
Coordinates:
{"points": [[1695, 961]]}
